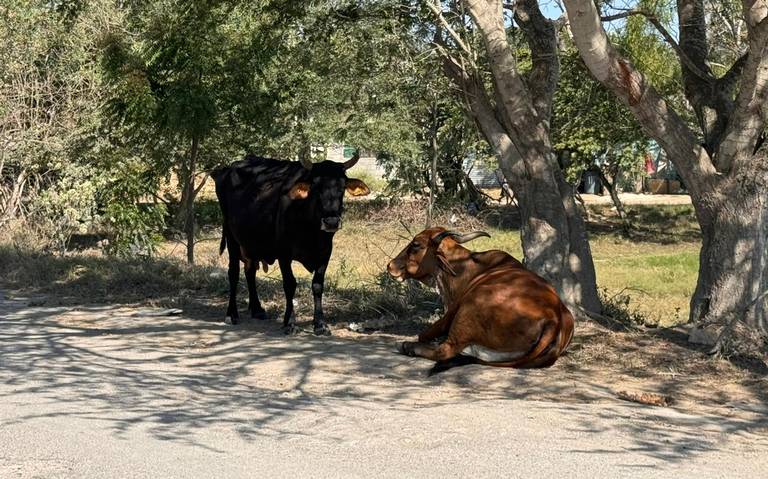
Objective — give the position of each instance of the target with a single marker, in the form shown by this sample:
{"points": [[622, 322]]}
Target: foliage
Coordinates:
{"points": [[591, 126], [68, 205], [49, 98], [134, 227]]}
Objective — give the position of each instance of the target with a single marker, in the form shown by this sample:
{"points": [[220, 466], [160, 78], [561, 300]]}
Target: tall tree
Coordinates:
{"points": [[722, 159], [512, 109], [181, 71]]}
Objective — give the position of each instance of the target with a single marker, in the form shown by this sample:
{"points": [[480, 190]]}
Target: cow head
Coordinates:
{"points": [[424, 258], [324, 190]]}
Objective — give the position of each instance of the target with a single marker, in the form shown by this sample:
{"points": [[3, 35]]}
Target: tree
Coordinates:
{"points": [[721, 157], [181, 73], [589, 123], [49, 95], [512, 108]]}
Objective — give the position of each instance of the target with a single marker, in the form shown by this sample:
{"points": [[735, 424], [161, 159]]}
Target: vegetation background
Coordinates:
{"points": [[113, 114]]}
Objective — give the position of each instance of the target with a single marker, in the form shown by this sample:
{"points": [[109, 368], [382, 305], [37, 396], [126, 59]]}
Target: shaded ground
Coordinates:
{"points": [[114, 391]]}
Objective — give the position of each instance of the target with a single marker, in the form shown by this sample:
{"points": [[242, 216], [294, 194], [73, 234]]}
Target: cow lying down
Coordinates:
{"points": [[496, 311]]}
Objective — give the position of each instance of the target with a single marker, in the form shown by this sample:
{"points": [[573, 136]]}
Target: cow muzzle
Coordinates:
{"points": [[330, 224], [396, 271]]}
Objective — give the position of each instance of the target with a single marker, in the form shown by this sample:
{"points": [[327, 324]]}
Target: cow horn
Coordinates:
{"points": [[306, 163], [352, 161], [438, 238], [459, 238]]}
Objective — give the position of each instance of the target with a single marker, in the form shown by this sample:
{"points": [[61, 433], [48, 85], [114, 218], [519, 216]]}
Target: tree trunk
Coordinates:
{"points": [[14, 199], [553, 233], [733, 269], [728, 177], [516, 125], [611, 187], [188, 193], [433, 170]]}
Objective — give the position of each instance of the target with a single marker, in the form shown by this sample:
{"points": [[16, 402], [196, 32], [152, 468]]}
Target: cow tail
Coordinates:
{"points": [[567, 322], [547, 339], [223, 243]]}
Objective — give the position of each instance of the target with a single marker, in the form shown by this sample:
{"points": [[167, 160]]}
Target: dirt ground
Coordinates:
{"points": [[116, 390], [600, 366]]}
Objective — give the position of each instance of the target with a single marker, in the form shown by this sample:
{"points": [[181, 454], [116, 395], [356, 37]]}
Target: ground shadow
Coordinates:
{"points": [[171, 376]]}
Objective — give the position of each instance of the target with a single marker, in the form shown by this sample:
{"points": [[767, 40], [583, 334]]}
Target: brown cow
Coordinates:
{"points": [[496, 311]]}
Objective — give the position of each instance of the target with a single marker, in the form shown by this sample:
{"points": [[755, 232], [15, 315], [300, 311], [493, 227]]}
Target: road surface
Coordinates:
{"points": [[110, 391]]}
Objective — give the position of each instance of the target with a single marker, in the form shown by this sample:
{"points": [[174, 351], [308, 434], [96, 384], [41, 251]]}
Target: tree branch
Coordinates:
{"points": [[444, 24], [541, 37], [517, 106], [684, 59], [656, 117], [750, 115]]}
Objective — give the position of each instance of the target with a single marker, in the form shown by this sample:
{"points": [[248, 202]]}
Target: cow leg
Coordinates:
{"points": [[318, 282], [441, 352], [436, 329], [289, 287], [234, 277], [254, 305]]}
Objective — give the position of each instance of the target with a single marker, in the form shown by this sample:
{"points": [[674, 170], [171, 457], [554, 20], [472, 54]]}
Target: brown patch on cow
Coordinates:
{"points": [[299, 191]]}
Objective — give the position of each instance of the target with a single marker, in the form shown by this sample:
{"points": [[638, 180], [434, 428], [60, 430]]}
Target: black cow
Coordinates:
{"points": [[285, 211]]}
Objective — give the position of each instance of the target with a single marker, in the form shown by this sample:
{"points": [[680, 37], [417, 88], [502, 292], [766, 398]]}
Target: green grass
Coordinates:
{"points": [[656, 269]]}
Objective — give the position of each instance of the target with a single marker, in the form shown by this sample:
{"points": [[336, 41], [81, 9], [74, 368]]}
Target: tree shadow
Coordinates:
{"points": [[171, 376]]}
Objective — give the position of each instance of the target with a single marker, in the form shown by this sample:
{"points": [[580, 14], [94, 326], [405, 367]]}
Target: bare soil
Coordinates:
{"points": [[601, 366]]}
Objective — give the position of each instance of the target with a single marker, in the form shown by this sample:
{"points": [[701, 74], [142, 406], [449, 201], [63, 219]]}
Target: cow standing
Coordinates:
{"points": [[284, 211], [496, 311]]}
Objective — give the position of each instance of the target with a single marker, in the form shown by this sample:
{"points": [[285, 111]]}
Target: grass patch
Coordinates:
{"points": [[654, 278]]}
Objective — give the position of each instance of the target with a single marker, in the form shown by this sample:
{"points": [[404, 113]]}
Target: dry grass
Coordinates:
{"points": [[657, 269]]}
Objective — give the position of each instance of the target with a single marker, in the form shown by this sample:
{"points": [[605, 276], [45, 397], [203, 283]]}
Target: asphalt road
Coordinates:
{"points": [[119, 392]]}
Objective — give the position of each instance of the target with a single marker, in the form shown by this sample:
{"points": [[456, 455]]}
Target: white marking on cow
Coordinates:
{"points": [[489, 355]]}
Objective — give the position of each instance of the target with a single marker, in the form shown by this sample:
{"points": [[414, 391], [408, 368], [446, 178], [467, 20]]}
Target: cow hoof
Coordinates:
{"points": [[260, 315], [291, 330], [406, 348], [322, 330], [230, 320]]}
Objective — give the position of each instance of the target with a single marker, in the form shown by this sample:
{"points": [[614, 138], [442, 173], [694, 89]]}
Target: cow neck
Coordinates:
{"points": [[460, 259]]}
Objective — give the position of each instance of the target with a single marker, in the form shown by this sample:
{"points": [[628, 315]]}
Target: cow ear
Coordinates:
{"points": [[356, 187], [299, 191]]}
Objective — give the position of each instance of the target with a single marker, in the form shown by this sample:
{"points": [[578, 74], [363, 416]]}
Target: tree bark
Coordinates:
{"points": [[188, 194], [733, 262]]}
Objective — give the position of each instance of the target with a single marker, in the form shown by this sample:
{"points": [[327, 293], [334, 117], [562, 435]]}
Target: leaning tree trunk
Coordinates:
{"points": [[553, 233], [611, 187], [516, 125]]}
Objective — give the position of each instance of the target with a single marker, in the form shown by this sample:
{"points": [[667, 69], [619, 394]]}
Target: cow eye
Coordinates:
{"points": [[414, 247]]}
